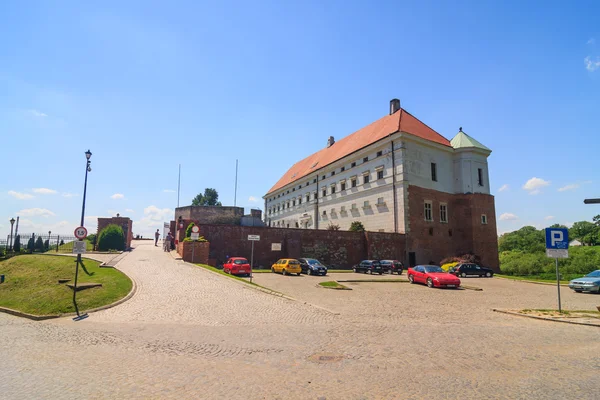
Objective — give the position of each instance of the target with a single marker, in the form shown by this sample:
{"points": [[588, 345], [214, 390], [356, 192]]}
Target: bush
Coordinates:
{"points": [[356, 226], [333, 227], [47, 244], [31, 244], [111, 238], [200, 239], [188, 231], [91, 238], [39, 244], [17, 244], [581, 261]]}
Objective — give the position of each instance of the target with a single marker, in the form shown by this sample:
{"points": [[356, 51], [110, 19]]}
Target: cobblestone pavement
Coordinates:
{"points": [[189, 333]]}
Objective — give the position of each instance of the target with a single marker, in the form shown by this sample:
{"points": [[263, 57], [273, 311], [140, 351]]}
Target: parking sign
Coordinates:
{"points": [[557, 242]]}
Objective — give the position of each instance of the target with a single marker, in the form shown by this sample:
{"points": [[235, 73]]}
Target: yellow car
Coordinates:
{"points": [[287, 266]]}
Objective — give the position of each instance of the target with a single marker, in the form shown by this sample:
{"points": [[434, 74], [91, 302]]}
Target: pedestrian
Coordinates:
{"points": [[167, 243], [156, 235]]}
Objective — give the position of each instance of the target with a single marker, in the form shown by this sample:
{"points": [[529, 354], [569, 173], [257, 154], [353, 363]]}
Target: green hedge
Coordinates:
{"points": [[111, 238], [582, 260]]}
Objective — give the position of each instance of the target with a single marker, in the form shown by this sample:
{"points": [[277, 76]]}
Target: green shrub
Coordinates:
{"points": [[17, 244], [356, 226], [200, 239], [188, 231], [31, 244], [47, 245], [91, 238], [111, 238], [581, 261], [39, 244]]}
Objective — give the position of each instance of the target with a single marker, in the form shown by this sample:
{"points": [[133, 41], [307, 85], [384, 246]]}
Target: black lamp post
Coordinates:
{"points": [[12, 222], [88, 155]]}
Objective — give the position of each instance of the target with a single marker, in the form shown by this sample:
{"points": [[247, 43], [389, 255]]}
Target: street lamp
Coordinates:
{"points": [[12, 222], [88, 168]]}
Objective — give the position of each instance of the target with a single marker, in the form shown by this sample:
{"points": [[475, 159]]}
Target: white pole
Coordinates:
{"points": [[558, 285], [252, 261]]}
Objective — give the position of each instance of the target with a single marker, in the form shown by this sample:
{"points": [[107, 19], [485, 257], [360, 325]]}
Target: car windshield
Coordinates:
{"points": [[376, 263], [293, 262], [240, 261], [313, 262], [595, 274], [433, 268], [397, 264]]}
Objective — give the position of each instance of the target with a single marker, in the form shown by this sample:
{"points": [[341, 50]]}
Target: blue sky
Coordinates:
{"points": [[148, 85]]}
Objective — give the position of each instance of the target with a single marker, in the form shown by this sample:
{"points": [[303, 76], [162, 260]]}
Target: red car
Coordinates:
{"points": [[432, 276], [237, 266]]}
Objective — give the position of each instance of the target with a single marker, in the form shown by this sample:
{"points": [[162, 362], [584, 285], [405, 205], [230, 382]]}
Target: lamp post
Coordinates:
{"points": [[12, 222], [88, 168]]}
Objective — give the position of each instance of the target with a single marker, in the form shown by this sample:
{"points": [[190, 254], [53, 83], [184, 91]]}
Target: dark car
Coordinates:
{"points": [[310, 266], [369, 267], [391, 266], [464, 270]]}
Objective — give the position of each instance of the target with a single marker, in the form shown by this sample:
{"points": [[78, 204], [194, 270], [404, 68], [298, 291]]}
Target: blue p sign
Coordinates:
{"points": [[557, 238]]}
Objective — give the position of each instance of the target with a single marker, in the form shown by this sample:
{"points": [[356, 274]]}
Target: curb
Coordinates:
{"points": [[544, 318], [105, 307], [475, 288], [264, 290], [534, 282]]}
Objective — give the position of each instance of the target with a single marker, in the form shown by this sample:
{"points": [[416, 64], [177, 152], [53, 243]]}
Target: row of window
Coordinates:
{"points": [[332, 173], [332, 190], [443, 213], [434, 174]]}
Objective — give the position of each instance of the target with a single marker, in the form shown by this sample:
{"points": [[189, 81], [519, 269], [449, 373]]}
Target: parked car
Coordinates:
{"points": [[588, 283], [369, 267], [310, 266], [287, 266], [432, 276], [392, 266], [237, 266], [464, 270]]}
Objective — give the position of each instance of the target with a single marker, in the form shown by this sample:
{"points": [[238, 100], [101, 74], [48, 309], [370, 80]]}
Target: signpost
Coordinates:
{"points": [[252, 238], [79, 247], [557, 246], [80, 233]]}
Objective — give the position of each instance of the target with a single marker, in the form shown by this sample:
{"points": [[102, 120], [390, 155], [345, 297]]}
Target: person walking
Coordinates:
{"points": [[156, 235], [167, 242]]}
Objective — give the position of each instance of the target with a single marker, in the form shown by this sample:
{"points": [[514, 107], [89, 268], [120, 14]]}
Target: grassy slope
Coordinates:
{"points": [[540, 278], [32, 284]]}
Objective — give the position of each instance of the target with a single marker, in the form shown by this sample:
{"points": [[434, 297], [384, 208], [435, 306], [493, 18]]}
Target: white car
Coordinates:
{"points": [[588, 283]]}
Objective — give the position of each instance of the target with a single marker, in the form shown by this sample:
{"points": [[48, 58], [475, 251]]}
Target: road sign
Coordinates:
{"points": [[195, 235], [79, 247], [557, 242], [254, 237], [195, 229], [80, 232]]}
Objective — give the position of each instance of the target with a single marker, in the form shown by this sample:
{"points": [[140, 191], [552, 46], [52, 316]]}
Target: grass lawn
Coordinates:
{"points": [[541, 278], [32, 286], [575, 313], [334, 285]]}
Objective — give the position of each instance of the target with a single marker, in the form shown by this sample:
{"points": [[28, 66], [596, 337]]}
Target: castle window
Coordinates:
{"points": [[324, 192], [379, 153], [353, 165], [343, 185], [332, 173], [483, 219], [293, 203], [333, 188], [433, 172], [380, 174], [307, 197], [342, 169], [480, 176], [444, 213], [366, 178], [353, 182], [428, 213], [365, 159]]}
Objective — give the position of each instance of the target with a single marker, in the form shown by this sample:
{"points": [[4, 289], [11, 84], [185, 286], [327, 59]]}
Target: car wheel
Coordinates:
{"points": [[370, 272], [272, 269], [578, 291], [298, 274], [488, 274], [463, 275], [429, 282], [381, 273], [309, 272], [283, 272], [354, 269], [411, 279]]}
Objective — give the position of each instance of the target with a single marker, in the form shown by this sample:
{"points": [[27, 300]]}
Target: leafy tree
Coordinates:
{"points": [[558, 226], [209, 198], [31, 244], [188, 231], [17, 244], [47, 244], [596, 220], [357, 226], [62, 242], [527, 239], [111, 238], [333, 227], [39, 244], [91, 238], [584, 231]]}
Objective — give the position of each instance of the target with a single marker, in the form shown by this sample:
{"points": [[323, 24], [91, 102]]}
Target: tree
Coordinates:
{"points": [[333, 227], [527, 239], [39, 244], [584, 231], [596, 220], [47, 244], [31, 244], [209, 198], [188, 231], [91, 238], [17, 244], [111, 238], [356, 226]]}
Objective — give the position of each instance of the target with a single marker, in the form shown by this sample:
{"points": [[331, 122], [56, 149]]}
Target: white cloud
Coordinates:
{"points": [[37, 114], [154, 213], [117, 196], [549, 217], [20, 196], [534, 185], [168, 191], [69, 194], [252, 199], [508, 217], [572, 186], [590, 64], [503, 188], [129, 210], [35, 212], [44, 191], [592, 41]]}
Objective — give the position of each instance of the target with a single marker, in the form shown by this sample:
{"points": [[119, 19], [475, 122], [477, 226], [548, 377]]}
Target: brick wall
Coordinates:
{"points": [[463, 233], [211, 214], [194, 252], [125, 223]]}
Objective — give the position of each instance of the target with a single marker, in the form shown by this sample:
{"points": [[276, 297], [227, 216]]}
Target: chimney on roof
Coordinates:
{"points": [[330, 141], [394, 106]]}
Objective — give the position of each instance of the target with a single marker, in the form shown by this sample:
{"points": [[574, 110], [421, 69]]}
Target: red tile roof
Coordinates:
{"points": [[401, 121]]}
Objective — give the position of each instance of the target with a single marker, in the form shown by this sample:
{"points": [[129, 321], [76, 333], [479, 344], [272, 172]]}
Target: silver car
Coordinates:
{"points": [[589, 283]]}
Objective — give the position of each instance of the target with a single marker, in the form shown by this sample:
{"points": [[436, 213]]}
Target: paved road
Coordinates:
{"points": [[188, 333]]}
